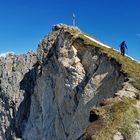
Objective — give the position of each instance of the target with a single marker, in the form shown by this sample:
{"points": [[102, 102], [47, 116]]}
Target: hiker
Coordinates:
{"points": [[122, 48]]}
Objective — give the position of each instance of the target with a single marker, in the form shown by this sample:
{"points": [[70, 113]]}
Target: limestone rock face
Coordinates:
{"points": [[13, 68], [48, 95]]}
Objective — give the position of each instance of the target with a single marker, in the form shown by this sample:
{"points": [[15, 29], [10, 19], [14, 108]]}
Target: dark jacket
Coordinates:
{"points": [[123, 46]]}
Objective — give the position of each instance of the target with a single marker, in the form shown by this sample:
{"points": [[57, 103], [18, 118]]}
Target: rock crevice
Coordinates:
{"points": [[49, 95]]}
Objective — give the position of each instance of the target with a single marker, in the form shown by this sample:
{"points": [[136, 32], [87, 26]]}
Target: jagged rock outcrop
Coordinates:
{"points": [[48, 95], [14, 90]]}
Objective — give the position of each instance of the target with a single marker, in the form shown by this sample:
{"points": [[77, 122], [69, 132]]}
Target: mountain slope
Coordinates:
{"points": [[129, 66], [71, 85]]}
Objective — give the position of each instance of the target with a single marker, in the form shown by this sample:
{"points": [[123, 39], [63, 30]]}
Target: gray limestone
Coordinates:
{"points": [[48, 95]]}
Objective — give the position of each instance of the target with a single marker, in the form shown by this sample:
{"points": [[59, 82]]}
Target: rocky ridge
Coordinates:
{"points": [[48, 95]]}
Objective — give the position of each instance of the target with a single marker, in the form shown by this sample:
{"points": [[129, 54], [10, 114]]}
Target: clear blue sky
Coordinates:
{"points": [[24, 22]]}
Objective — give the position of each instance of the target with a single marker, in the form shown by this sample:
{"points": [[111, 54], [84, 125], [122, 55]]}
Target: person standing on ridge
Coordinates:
{"points": [[123, 46]]}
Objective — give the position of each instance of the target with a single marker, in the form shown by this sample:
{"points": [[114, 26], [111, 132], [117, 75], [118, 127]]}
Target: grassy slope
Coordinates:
{"points": [[129, 66], [121, 114]]}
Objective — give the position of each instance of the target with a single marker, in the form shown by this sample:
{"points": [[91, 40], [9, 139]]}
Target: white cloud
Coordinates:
{"points": [[138, 35], [5, 54]]}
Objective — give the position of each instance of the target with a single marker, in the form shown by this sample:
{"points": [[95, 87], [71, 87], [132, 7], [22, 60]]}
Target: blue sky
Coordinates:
{"points": [[24, 22]]}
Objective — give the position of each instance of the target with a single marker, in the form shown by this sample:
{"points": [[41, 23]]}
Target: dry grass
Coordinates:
{"points": [[129, 66], [119, 116]]}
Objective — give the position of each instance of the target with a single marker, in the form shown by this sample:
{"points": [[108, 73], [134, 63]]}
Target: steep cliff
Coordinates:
{"points": [[17, 78], [50, 95]]}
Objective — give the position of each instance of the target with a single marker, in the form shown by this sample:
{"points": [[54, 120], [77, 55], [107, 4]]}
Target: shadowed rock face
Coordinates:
{"points": [[14, 90], [48, 95]]}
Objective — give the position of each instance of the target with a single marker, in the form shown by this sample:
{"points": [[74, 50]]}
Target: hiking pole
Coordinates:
{"points": [[127, 51]]}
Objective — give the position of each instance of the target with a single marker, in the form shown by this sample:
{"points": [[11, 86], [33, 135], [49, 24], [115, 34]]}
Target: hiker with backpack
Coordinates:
{"points": [[123, 46]]}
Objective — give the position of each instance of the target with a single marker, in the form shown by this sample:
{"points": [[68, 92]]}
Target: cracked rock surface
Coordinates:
{"points": [[48, 95]]}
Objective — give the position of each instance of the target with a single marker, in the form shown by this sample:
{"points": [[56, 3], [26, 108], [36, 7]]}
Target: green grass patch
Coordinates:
{"points": [[43, 42], [120, 116], [94, 38], [71, 29], [129, 66]]}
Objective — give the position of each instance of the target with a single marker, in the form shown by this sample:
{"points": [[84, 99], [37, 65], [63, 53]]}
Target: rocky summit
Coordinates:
{"points": [[72, 88]]}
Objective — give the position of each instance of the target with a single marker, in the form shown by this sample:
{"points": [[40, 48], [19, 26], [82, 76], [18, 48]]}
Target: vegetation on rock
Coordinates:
{"points": [[118, 116]]}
